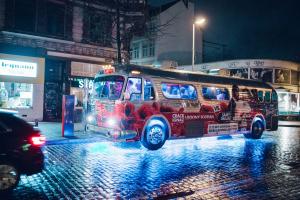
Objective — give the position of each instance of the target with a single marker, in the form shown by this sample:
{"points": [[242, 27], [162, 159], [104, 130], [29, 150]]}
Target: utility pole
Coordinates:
{"points": [[119, 57]]}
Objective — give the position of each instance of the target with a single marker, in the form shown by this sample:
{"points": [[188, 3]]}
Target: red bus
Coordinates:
{"points": [[138, 103]]}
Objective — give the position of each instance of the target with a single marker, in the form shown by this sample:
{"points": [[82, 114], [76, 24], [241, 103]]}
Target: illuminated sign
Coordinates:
{"points": [[18, 68]]}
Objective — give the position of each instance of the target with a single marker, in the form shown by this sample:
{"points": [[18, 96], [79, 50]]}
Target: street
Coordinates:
{"points": [[207, 168]]}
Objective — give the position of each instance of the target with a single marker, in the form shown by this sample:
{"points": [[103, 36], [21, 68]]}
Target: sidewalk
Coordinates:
{"points": [[53, 133], [289, 123]]}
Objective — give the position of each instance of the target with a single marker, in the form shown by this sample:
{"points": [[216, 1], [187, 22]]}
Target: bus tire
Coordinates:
{"points": [[257, 130], [154, 136]]}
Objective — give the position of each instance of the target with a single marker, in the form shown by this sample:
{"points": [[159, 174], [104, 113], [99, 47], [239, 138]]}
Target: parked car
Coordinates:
{"points": [[20, 150]]}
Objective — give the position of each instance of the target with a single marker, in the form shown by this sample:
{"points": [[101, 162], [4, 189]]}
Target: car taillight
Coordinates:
{"points": [[38, 140]]}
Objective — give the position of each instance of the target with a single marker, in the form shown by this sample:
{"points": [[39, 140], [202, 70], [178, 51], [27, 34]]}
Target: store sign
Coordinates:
{"points": [[81, 83], [18, 68]]}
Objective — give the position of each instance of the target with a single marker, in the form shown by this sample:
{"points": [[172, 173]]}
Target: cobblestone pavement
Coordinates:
{"points": [[208, 168]]}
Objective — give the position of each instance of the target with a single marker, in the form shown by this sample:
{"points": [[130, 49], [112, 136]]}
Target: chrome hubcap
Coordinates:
{"points": [[8, 176], [155, 135]]}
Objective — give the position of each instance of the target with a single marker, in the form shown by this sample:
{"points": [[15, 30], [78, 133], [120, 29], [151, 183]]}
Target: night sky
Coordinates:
{"points": [[252, 28]]}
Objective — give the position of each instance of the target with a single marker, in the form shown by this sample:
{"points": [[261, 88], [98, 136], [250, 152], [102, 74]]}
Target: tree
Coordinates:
{"points": [[126, 18]]}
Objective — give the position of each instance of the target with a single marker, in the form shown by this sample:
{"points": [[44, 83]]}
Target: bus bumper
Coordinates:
{"points": [[112, 133]]}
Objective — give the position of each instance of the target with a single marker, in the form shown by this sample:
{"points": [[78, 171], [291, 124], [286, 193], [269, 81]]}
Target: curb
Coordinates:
{"points": [[72, 141], [287, 125]]}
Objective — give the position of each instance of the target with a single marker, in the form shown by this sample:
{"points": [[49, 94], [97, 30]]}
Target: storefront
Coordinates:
{"points": [[284, 76], [22, 85]]}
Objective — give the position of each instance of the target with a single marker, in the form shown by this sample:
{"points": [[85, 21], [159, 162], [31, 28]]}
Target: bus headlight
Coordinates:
{"points": [[90, 118], [111, 121]]}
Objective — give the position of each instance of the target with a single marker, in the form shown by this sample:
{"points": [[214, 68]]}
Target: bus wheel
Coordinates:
{"points": [[154, 137], [257, 130]]}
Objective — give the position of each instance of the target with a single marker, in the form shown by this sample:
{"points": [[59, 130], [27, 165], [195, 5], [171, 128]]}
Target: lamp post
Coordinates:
{"points": [[198, 22]]}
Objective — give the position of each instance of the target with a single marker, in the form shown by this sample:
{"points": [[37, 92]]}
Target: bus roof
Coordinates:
{"points": [[189, 76]]}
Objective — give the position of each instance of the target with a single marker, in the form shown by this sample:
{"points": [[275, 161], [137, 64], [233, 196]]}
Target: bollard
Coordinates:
{"points": [[36, 123]]}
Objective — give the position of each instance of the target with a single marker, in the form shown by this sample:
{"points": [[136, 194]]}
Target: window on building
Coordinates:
{"points": [[179, 91], [145, 49], [133, 90], [55, 19], [135, 51], [213, 93], [25, 15], [149, 93], [151, 49], [97, 27], [15, 95]]}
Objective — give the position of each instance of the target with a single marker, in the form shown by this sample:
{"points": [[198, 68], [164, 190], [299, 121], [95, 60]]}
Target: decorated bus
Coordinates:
{"points": [[151, 105]]}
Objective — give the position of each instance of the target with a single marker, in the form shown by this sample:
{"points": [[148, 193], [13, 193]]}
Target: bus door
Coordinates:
{"points": [[241, 106]]}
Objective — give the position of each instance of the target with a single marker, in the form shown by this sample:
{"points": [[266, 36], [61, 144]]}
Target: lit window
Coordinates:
{"points": [[213, 93], [148, 91], [151, 49], [15, 95], [179, 91], [133, 89]]}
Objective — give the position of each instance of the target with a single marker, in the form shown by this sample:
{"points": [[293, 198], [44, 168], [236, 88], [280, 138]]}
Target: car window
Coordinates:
{"points": [[16, 124]]}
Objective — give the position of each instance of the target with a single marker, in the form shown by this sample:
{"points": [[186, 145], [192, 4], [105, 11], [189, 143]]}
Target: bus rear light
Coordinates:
{"points": [[38, 140]]}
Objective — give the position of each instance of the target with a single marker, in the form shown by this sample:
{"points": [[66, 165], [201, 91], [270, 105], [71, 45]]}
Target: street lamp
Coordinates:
{"points": [[198, 22]]}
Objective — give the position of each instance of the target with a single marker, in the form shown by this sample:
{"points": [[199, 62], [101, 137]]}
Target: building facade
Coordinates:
{"points": [[170, 39], [282, 75], [49, 48]]}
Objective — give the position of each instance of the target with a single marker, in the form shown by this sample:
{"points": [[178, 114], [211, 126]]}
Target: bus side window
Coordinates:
{"points": [[254, 94], [274, 97], [245, 94], [267, 96], [149, 93], [260, 95], [133, 90]]}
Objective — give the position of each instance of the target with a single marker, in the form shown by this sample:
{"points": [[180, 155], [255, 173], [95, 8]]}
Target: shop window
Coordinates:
{"points": [[267, 96], [294, 77], [179, 91], [15, 95], [213, 93], [149, 93], [133, 89], [282, 76], [260, 95]]}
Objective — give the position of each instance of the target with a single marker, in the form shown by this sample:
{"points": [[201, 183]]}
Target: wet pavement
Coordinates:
{"points": [[207, 168]]}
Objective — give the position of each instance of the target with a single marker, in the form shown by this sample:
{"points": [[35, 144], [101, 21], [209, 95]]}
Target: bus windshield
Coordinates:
{"points": [[109, 87]]}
